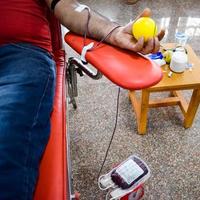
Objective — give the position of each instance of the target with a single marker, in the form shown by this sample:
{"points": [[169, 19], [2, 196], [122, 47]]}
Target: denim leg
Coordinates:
{"points": [[27, 82]]}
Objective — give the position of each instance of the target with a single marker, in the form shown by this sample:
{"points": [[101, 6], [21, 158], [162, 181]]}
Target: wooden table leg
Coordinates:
{"points": [[192, 109], [142, 122]]}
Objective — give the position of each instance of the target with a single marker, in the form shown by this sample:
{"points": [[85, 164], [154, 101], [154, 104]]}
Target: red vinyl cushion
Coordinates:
{"points": [[124, 68], [52, 183]]}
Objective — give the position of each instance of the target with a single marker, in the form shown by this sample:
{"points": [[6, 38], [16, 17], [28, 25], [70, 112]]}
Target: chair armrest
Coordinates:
{"points": [[124, 68]]}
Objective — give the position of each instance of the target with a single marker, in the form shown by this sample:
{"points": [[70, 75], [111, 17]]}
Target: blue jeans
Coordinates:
{"points": [[27, 83]]}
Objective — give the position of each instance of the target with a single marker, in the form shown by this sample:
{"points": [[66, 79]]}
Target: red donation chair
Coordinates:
{"points": [[124, 68], [54, 177]]}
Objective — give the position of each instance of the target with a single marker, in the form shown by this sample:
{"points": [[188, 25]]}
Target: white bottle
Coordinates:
{"points": [[179, 61]]}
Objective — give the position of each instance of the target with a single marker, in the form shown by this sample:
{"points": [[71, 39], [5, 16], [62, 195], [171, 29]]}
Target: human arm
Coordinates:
{"points": [[99, 27]]}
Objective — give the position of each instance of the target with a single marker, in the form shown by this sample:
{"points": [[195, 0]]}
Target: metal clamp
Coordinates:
{"points": [[75, 66]]}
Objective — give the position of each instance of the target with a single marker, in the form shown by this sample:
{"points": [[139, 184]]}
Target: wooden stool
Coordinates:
{"points": [[189, 80]]}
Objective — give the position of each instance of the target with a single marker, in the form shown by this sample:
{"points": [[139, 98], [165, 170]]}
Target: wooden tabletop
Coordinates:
{"points": [[186, 80]]}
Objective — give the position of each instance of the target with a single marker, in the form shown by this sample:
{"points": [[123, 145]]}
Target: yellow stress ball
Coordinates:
{"points": [[144, 27]]}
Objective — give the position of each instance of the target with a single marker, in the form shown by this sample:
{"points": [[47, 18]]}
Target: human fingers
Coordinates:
{"points": [[148, 47], [156, 45], [138, 46], [161, 34], [145, 13]]}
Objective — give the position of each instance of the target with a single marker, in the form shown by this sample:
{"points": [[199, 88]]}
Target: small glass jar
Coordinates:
{"points": [[181, 39]]}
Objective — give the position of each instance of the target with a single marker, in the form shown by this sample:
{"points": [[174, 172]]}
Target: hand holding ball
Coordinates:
{"points": [[144, 27]]}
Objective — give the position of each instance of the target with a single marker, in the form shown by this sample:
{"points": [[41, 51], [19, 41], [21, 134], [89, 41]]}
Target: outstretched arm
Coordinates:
{"points": [[99, 26]]}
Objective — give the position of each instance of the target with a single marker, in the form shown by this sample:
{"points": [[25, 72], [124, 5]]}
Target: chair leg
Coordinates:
{"points": [[72, 84]]}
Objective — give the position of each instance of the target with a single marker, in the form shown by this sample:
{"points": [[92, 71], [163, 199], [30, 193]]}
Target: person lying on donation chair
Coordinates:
{"points": [[27, 81]]}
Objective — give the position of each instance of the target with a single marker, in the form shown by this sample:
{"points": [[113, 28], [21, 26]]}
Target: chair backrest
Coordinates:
{"points": [[56, 36], [53, 176]]}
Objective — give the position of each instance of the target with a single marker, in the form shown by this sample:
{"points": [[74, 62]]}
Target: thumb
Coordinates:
{"points": [[145, 13]]}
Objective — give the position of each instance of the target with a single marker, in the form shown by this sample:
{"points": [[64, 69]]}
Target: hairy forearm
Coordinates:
{"points": [[75, 21]]}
